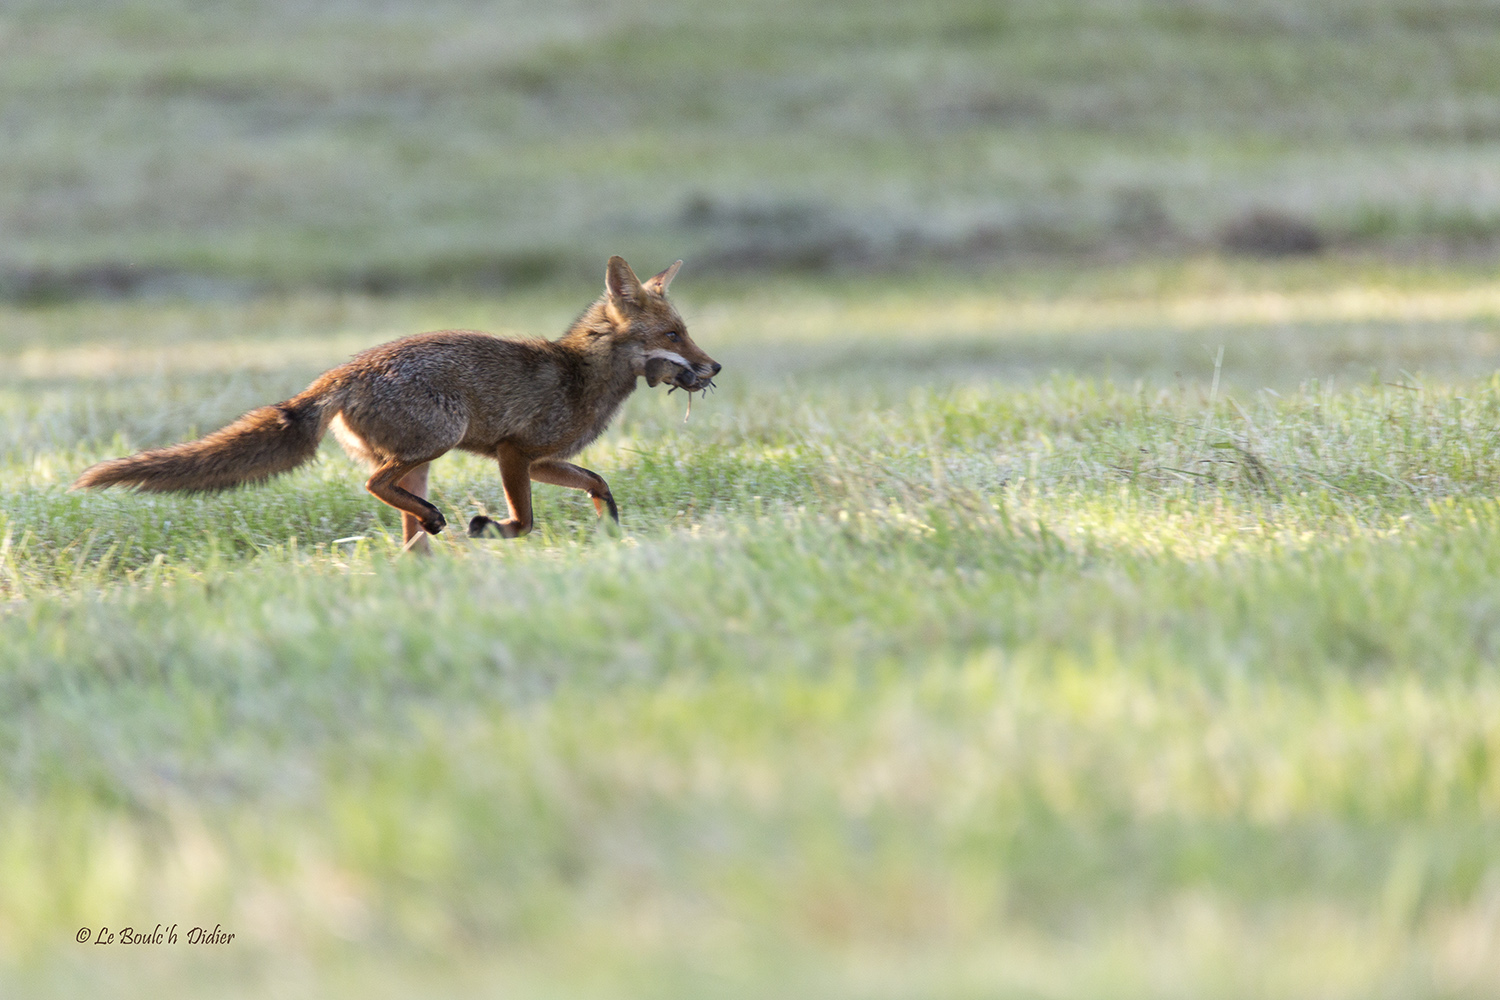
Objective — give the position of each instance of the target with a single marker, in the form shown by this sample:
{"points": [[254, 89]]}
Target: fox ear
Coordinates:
{"points": [[621, 283], [659, 283]]}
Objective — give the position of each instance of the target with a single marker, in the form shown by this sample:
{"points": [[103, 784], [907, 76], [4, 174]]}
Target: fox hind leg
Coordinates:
{"points": [[413, 537], [558, 473], [387, 486]]}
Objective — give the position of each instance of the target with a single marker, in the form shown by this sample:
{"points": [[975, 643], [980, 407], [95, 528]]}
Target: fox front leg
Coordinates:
{"points": [[557, 473], [515, 478]]}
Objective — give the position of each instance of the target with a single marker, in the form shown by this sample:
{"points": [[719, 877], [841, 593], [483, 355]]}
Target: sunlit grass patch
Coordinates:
{"points": [[1045, 671], [629, 739]]}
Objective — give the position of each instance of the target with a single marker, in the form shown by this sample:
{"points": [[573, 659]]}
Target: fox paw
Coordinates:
{"points": [[434, 523], [488, 527], [603, 502]]}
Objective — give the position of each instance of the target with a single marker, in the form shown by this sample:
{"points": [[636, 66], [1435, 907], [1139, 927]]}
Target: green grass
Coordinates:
{"points": [[976, 639], [1121, 628], [225, 147]]}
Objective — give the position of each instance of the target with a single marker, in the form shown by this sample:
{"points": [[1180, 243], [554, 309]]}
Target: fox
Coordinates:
{"points": [[528, 404]]}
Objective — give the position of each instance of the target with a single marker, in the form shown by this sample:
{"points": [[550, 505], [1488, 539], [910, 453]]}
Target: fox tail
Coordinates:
{"points": [[263, 443]]}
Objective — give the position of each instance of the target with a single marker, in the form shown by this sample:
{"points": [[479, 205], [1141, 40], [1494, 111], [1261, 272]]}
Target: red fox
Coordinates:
{"points": [[529, 404]]}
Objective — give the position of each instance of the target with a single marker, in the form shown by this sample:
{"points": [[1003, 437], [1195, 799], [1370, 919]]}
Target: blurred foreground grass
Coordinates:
{"points": [[974, 640]]}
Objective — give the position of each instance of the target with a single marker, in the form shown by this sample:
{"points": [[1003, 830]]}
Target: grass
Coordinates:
{"points": [[978, 638], [190, 149], [1044, 607]]}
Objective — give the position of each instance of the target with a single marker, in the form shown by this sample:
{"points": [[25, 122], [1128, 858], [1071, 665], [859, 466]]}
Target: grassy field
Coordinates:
{"points": [[183, 148], [1082, 584], [1103, 633]]}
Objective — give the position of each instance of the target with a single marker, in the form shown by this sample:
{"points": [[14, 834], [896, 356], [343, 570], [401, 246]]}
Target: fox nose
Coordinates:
{"points": [[715, 366]]}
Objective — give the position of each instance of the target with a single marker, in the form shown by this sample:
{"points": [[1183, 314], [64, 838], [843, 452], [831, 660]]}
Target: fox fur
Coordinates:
{"points": [[528, 404]]}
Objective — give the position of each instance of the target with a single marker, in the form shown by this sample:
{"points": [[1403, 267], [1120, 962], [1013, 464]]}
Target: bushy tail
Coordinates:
{"points": [[263, 443]]}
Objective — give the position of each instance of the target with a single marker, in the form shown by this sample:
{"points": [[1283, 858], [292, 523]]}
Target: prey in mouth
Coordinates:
{"points": [[676, 371]]}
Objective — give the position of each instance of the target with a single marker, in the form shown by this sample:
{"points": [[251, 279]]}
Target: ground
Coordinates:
{"points": [[1041, 635], [1082, 584]]}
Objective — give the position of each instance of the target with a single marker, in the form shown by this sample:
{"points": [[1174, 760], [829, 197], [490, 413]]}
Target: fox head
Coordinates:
{"points": [[640, 308]]}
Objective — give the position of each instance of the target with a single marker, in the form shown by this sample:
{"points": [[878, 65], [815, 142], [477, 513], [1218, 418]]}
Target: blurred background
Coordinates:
{"points": [[172, 147]]}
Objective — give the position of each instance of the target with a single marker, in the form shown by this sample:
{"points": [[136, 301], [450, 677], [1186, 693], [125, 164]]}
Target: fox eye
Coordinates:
{"points": [[672, 336]]}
